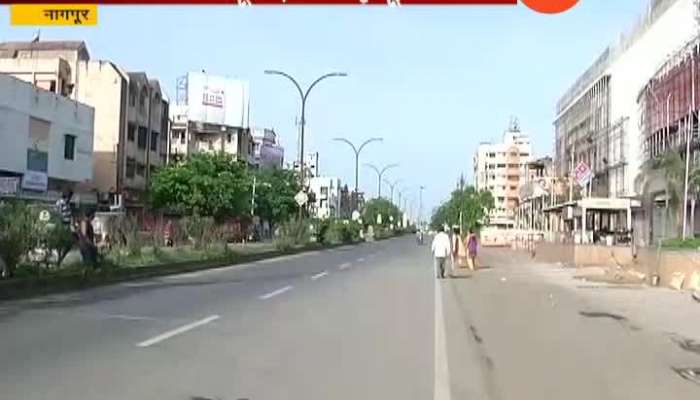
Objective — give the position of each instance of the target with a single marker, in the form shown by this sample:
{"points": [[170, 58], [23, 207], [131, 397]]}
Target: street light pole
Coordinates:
{"points": [[392, 186], [420, 206], [357, 151], [304, 96], [380, 173]]}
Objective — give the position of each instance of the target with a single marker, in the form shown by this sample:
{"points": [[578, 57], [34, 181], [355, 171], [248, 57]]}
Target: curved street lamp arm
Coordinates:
{"points": [[379, 173], [388, 167], [286, 75], [348, 142], [368, 141], [314, 83]]}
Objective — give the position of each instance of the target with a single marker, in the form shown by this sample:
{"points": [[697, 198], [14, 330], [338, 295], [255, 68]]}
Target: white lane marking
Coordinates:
{"points": [[177, 331], [319, 275], [360, 259], [344, 266], [139, 284], [129, 317], [442, 373], [275, 293], [288, 257]]}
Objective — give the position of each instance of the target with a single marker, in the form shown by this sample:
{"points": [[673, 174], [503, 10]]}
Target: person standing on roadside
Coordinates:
{"points": [[64, 207], [441, 249], [472, 246]]}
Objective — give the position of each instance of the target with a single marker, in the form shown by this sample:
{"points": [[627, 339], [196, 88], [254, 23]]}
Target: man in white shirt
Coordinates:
{"points": [[441, 249]]}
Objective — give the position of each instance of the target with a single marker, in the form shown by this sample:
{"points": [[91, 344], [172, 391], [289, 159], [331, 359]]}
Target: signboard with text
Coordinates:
{"points": [[583, 174], [9, 185], [34, 180]]}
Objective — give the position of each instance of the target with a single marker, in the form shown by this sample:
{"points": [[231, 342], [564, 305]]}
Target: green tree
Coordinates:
{"points": [[274, 194], [672, 167], [693, 193], [210, 185], [467, 208], [18, 233], [383, 207]]}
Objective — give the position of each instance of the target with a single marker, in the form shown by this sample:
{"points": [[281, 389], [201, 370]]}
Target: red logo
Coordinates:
{"points": [[550, 6]]}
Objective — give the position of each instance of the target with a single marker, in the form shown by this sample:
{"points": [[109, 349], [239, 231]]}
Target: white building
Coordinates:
{"points": [[326, 193], [599, 119], [46, 140], [501, 168], [211, 115], [130, 112]]}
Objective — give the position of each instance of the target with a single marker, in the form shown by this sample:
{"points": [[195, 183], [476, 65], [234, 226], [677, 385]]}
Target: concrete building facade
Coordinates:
{"points": [[131, 121], [501, 168], [267, 151], [46, 140], [598, 121], [326, 193], [211, 115]]}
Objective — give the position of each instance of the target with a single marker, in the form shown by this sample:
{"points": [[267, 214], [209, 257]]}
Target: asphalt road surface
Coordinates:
{"points": [[363, 322]]}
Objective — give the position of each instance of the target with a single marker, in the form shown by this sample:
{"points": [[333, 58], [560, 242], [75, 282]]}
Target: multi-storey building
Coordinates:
{"points": [[670, 106], [326, 195], [598, 122], [211, 115], [130, 112], [46, 143], [267, 151], [500, 168]]}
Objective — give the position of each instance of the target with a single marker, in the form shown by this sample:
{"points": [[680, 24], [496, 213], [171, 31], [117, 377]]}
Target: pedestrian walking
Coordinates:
{"points": [[441, 249], [472, 247]]}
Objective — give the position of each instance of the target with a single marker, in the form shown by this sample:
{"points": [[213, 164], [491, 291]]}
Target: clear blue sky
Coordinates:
{"points": [[433, 81]]}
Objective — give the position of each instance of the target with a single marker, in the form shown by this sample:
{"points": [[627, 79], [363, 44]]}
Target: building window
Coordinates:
{"points": [[69, 147], [154, 169], [228, 138], [143, 138], [140, 169], [154, 141], [130, 167], [142, 100], [324, 191], [131, 133]]}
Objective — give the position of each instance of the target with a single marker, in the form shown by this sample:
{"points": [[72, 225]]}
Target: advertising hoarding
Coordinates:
{"points": [[217, 100]]}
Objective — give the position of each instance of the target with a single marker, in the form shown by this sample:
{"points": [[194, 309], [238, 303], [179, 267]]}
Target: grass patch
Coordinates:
{"points": [[680, 244]]}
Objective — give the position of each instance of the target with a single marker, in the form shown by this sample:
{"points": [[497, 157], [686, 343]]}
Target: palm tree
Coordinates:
{"points": [[694, 192], [673, 169]]}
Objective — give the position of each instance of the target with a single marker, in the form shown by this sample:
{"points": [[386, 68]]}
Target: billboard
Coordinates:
{"points": [[217, 100]]}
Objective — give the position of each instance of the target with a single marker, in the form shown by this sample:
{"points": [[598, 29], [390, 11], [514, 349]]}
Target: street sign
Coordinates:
{"points": [[35, 180], [583, 174], [9, 185], [301, 198], [44, 216]]}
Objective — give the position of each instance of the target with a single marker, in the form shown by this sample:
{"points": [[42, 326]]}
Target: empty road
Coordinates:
{"points": [[362, 322]]}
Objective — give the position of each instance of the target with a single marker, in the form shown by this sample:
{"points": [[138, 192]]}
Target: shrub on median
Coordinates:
{"points": [[292, 233]]}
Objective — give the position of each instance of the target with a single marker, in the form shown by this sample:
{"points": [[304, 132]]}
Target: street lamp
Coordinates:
{"points": [[392, 186], [380, 173], [304, 96], [420, 207], [357, 151]]}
